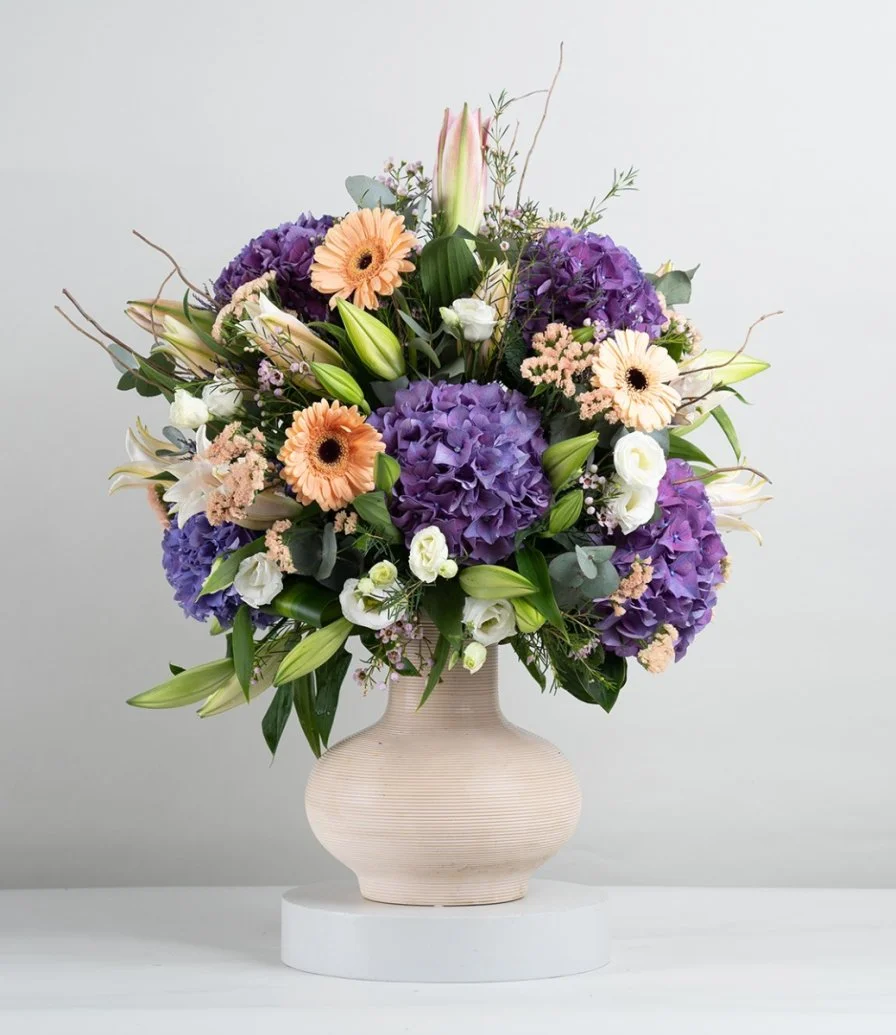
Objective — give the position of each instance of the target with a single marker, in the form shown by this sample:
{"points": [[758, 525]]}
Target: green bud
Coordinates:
{"points": [[340, 384], [564, 460], [583, 335], [377, 347], [565, 512], [386, 472], [528, 618], [492, 582]]}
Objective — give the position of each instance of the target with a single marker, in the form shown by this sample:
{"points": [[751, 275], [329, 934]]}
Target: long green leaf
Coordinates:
{"points": [[328, 680], [443, 601], [303, 698], [243, 647], [683, 449], [186, 687], [448, 270], [313, 651], [439, 658], [534, 567], [224, 573], [727, 425], [372, 509], [304, 600], [275, 718]]}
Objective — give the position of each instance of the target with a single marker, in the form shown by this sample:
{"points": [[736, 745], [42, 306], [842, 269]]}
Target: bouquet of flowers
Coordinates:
{"points": [[442, 421]]}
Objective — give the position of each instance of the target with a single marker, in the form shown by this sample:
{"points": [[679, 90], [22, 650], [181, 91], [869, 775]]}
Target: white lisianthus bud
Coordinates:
{"points": [[632, 505], [474, 657], [362, 603], [223, 398], [258, 580], [477, 319], [489, 621], [187, 411], [428, 552], [639, 460], [383, 574], [448, 569]]}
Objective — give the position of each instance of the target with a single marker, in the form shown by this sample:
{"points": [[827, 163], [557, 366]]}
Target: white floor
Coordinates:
{"points": [[687, 961]]}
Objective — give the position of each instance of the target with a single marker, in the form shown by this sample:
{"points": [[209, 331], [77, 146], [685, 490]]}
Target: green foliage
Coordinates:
{"points": [[682, 449], [595, 679], [275, 718], [372, 509], [386, 472], [367, 192], [443, 601], [313, 651], [727, 426], [532, 564], [328, 680], [243, 647], [675, 285], [439, 659], [447, 269], [522, 650], [224, 571], [187, 687], [582, 575]]}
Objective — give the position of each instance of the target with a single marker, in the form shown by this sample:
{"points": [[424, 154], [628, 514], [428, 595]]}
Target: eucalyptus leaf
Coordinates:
{"points": [[604, 583], [385, 390], [675, 286], [367, 192]]}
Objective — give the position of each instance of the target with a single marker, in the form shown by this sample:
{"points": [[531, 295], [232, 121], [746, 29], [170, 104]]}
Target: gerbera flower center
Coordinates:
{"points": [[330, 450], [366, 261], [636, 379]]}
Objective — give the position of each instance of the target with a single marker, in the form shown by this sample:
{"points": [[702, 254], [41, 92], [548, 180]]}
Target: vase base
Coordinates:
{"points": [[557, 929], [444, 893]]}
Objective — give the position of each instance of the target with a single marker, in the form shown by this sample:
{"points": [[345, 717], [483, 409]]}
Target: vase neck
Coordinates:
{"points": [[460, 699]]}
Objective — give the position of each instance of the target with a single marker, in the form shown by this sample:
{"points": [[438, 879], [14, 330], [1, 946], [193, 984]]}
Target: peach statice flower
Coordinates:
{"points": [[362, 257], [659, 654], [559, 359], [276, 549], [329, 454], [634, 375]]}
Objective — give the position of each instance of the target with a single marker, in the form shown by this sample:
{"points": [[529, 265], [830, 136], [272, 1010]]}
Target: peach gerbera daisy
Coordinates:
{"points": [[636, 374], [363, 256], [329, 454]]}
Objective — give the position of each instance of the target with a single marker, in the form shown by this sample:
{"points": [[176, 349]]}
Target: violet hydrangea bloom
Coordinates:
{"points": [[685, 550], [187, 557], [470, 459], [287, 249], [568, 276]]}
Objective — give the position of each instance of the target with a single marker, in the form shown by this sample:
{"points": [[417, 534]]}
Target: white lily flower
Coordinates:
{"points": [[197, 478], [732, 497], [145, 464]]}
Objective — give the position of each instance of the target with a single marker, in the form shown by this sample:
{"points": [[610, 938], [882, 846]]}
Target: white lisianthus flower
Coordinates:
{"points": [[362, 603], [222, 397], [383, 574], [489, 621], [258, 580], [474, 656], [428, 552], [187, 411], [477, 319], [448, 569], [632, 505], [639, 460]]}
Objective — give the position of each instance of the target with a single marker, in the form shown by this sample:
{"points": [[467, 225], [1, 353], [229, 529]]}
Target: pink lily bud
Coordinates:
{"points": [[461, 175]]}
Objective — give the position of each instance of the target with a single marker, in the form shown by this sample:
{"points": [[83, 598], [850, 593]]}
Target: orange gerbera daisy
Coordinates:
{"points": [[329, 454], [363, 256]]}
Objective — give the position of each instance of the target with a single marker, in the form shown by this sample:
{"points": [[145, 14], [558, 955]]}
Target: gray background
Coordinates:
{"points": [[763, 136]]}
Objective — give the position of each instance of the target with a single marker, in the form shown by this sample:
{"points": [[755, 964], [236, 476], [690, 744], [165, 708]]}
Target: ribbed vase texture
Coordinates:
{"points": [[446, 805]]}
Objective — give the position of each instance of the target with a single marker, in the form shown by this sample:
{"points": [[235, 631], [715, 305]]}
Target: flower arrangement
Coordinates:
{"points": [[441, 409]]}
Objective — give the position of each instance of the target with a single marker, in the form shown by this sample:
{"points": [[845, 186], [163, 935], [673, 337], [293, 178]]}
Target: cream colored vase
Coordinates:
{"points": [[448, 805]]}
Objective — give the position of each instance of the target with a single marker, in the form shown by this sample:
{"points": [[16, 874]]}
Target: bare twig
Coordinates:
{"points": [[176, 265], [136, 373], [93, 323], [544, 115], [733, 357]]}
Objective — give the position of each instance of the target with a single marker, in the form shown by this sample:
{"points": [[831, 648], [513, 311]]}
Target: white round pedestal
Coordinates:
{"points": [[557, 929]]}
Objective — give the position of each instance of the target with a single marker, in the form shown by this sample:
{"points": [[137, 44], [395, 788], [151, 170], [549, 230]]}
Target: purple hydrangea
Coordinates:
{"points": [[187, 557], [685, 549], [568, 276], [288, 250], [470, 459]]}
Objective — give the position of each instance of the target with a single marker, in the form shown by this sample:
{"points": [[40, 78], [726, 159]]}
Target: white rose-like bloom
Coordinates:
{"points": [[489, 621], [361, 602], [632, 505], [428, 552], [383, 574], [477, 319], [222, 398], [258, 580], [639, 460], [474, 657], [187, 411]]}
